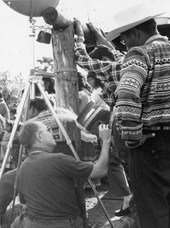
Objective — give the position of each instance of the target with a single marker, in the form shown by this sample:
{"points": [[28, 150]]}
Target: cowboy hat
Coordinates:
{"points": [[130, 18]]}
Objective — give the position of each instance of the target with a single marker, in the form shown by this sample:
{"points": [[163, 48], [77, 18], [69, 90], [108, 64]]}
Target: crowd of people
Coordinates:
{"points": [[124, 120]]}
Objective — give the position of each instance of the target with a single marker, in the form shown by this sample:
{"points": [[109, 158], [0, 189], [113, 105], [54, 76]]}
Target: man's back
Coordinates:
{"points": [[46, 182], [147, 84]]}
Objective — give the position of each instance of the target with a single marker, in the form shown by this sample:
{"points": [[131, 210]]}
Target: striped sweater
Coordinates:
{"points": [[143, 94]]}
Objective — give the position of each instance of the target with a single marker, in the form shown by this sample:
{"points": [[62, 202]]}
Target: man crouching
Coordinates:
{"points": [[46, 180]]}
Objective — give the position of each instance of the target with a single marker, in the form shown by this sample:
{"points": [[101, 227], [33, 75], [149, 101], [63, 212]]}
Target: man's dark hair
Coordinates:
{"points": [[27, 133], [39, 104], [51, 84], [98, 82], [82, 83], [149, 26], [1, 95]]}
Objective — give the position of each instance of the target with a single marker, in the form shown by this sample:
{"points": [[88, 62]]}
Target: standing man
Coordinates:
{"points": [[143, 112], [46, 180]]}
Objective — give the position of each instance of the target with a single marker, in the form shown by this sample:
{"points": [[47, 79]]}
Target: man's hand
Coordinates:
{"points": [[131, 144], [95, 30], [105, 132], [147, 136], [100, 36], [78, 28]]}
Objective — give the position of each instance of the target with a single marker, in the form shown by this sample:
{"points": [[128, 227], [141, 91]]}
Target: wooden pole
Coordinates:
{"points": [[66, 80], [59, 22]]}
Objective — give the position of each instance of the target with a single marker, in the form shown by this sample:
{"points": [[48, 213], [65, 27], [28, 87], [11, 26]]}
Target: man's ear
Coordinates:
{"points": [[39, 136]]}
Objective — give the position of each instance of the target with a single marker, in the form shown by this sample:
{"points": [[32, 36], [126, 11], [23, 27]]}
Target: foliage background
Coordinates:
{"points": [[11, 88]]}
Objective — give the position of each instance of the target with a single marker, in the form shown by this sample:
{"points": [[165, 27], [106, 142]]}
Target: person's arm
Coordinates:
{"points": [[107, 71], [128, 103], [128, 98], [100, 168], [103, 69], [102, 41]]}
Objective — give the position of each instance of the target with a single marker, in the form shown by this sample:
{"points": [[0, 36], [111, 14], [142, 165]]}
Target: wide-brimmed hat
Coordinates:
{"points": [[130, 18]]}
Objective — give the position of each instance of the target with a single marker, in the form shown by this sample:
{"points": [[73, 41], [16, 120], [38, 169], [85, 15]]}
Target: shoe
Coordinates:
{"points": [[122, 212]]}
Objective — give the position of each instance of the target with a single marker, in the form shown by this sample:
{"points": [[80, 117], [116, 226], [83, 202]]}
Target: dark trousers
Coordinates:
{"points": [[150, 180], [118, 184], [117, 173]]}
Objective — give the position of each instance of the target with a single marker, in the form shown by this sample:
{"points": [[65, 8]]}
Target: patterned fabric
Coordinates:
{"points": [[143, 94], [107, 71], [67, 121]]}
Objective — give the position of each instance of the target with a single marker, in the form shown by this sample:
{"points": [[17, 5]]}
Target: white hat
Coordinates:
{"points": [[130, 18]]}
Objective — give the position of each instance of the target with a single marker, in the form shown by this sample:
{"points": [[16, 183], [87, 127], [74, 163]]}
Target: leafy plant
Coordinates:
{"points": [[11, 88]]}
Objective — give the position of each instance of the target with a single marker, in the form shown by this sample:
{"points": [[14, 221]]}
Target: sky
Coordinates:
{"points": [[19, 51]]}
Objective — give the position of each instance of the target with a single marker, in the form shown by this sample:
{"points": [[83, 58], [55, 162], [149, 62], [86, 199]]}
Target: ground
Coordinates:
{"points": [[96, 217]]}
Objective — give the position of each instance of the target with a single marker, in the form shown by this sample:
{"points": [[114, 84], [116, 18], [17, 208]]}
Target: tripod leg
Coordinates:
{"points": [[14, 130], [16, 180], [19, 159]]}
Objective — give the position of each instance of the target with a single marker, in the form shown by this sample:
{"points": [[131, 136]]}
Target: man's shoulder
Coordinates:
{"points": [[8, 177]]}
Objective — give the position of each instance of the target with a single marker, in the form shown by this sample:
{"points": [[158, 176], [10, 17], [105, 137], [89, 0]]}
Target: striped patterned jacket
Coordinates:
{"points": [[143, 94]]}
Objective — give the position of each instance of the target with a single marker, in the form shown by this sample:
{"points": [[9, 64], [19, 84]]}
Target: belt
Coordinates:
{"points": [[71, 219], [157, 128]]}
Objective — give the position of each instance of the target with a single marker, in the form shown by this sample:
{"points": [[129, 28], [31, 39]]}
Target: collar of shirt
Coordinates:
{"points": [[156, 37], [80, 45], [37, 149]]}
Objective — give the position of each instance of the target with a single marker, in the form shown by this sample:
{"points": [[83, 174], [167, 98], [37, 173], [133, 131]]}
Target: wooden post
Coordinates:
{"points": [[66, 80], [59, 22], [66, 83]]}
